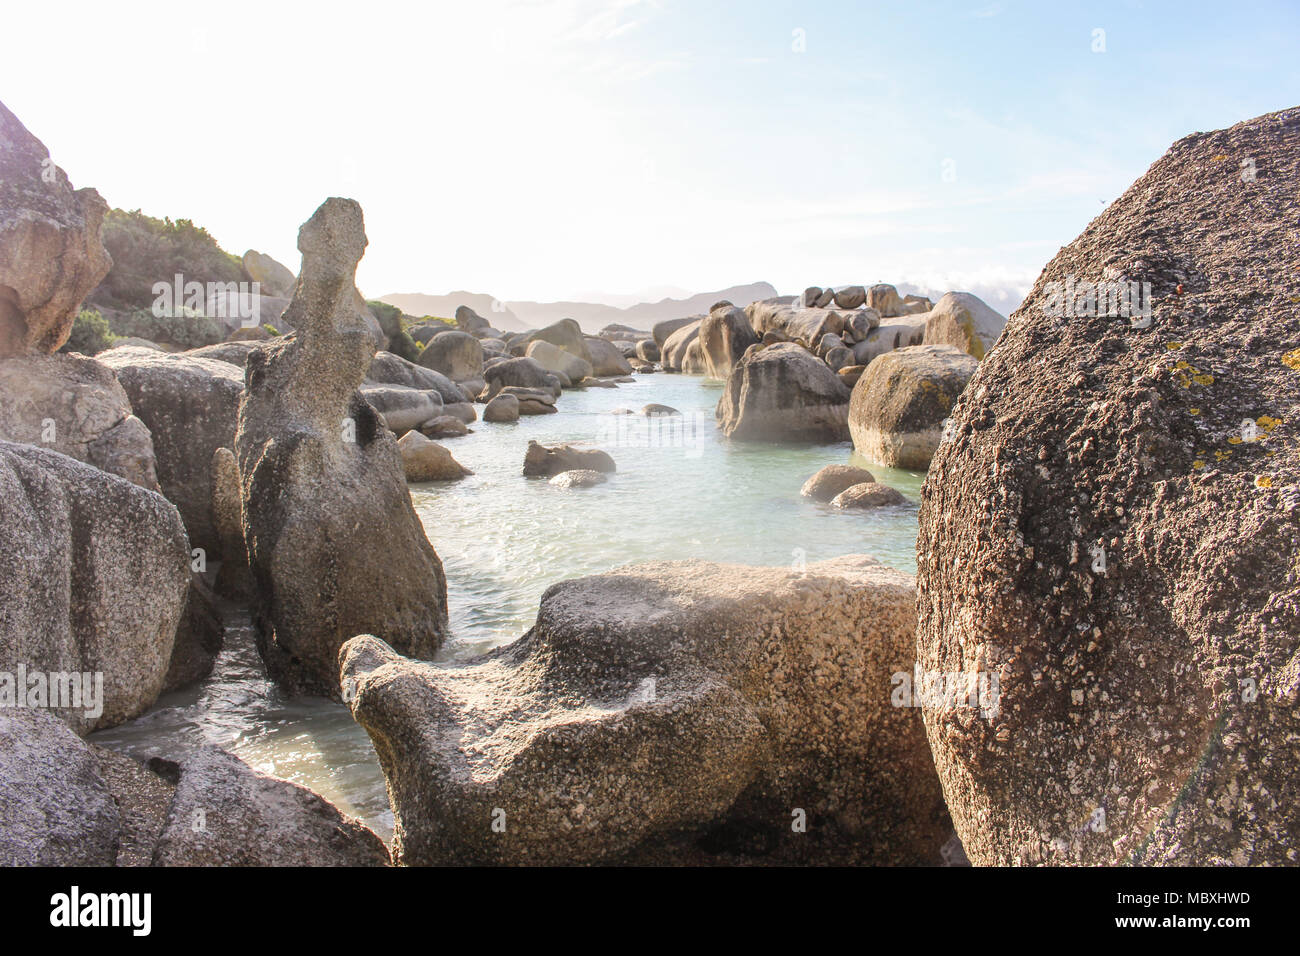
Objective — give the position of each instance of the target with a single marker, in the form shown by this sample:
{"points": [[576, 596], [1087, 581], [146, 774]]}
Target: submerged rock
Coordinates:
{"points": [[783, 392], [867, 494], [503, 408], [547, 461], [334, 544], [833, 479], [578, 478], [426, 460], [665, 712], [1106, 534], [900, 403]]}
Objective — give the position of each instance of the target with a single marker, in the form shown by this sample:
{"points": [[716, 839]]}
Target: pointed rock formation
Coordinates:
{"points": [[334, 544]]}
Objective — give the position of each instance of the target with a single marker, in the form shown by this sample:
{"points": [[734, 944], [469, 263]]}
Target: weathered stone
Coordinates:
{"points": [[606, 359], [965, 322], [833, 479], [225, 813], [457, 355], [665, 712], [1096, 534], [334, 544], [401, 408], [724, 335], [899, 405], [783, 393], [273, 277], [851, 297], [578, 478], [547, 461], [867, 494], [51, 256], [503, 408], [555, 359], [884, 299], [94, 572], [426, 460]]}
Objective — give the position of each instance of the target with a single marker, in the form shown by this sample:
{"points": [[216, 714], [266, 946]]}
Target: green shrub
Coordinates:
{"points": [[270, 329], [90, 334], [146, 250]]}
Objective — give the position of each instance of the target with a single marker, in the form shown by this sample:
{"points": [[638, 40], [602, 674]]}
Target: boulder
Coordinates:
{"points": [[236, 353], [334, 544], [662, 331], [94, 572], [389, 369], [190, 405], [470, 321], [965, 322], [783, 393], [75, 405], [724, 335], [426, 460], [255, 333], [838, 358], [850, 374], [273, 278], [896, 333], [900, 403], [199, 637], [655, 409], [692, 359], [850, 297], [547, 461], [810, 296], [225, 813], [444, 426], [520, 373], [565, 334], [917, 303], [606, 358], [532, 406], [670, 712], [833, 479], [647, 350], [860, 322], [130, 341], [51, 255], [884, 299], [825, 299], [673, 350], [867, 494], [55, 808], [402, 409], [578, 478], [457, 355], [555, 359], [1113, 529], [503, 408]]}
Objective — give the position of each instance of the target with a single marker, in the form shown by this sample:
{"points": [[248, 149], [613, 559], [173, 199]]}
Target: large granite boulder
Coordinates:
{"points": [[225, 813], [806, 325], [519, 372], [76, 406], [671, 712], [274, 278], [884, 299], [963, 320], [893, 333], [51, 255], [676, 345], [55, 807], [831, 480], [456, 354], [470, 321], [425, 460], [94, 572], [783, 392], [662, 331], [899, 404], [606, 359], [334, 544], [565, 334], [1113, 529], [401, 408], [724, 335], [555, 359], [190, 405]]}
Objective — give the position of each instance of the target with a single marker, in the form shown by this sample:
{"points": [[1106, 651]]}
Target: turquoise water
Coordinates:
{"points": [[681, 491]]}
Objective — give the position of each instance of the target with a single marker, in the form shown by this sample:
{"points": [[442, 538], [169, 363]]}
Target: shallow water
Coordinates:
{"points": [[680, 492]]}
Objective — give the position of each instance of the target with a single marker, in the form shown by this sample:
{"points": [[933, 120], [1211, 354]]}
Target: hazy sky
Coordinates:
{"points": [[538, 150]]}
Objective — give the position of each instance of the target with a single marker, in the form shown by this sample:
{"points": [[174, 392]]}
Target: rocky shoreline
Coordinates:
{"points": [[684, 712]]}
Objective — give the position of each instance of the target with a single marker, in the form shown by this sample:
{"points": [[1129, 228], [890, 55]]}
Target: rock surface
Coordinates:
{"points": [[901, 401], [578, 478], [334, 544], [55, 808], [457, 355], [724, 335], [425, 460], [963, 320], [274, 278], [190, 406], [783, 393], [555, 359], [225, 813], [662, 712], [75, 405], [1094, 534], [51, 255], [502, 408], [867, 494], [94, 572]]}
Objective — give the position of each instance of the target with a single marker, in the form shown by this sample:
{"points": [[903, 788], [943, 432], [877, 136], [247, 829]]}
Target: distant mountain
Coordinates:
{"points": [[592, 316], [445, 306]]}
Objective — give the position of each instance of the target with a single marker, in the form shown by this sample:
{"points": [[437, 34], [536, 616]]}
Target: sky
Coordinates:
{"points": [[575, 148]]}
